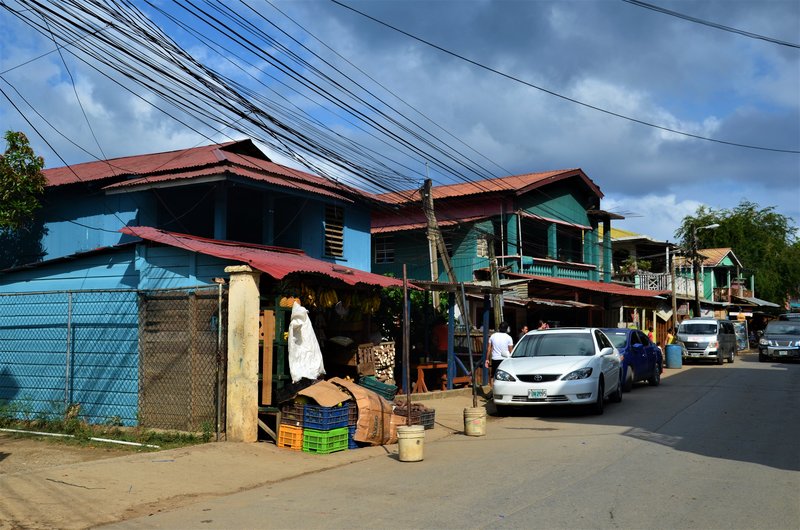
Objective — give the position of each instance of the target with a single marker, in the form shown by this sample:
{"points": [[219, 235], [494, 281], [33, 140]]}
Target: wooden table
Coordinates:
{"points": [[419, 385]]}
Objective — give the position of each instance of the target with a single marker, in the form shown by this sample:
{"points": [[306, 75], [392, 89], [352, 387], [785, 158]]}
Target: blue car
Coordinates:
{"points": [[641, 359]]}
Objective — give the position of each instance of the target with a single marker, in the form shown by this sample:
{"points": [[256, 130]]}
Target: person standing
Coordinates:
{"points": [[670, 336], [543, 325], [500, 346], [522, 332]]}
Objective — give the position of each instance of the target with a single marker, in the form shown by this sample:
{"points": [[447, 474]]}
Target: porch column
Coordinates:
{"points": [[242, 383]]}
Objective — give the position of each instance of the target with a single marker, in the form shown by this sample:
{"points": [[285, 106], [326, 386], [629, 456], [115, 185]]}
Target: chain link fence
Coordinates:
{"points": [[123, 357]]}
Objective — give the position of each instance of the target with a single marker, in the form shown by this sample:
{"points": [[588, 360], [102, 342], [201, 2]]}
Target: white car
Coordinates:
{"points": [[562, 366]]}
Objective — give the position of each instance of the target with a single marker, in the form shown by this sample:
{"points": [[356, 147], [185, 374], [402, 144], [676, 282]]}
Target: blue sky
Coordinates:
{"points": [[609, 54]]}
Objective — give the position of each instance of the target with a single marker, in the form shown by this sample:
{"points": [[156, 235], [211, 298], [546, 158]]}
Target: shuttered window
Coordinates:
{"points": [[334, 231]]}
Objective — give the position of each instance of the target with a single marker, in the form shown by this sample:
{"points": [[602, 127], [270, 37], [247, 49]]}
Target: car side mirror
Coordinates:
{"points": [[606, 351]]}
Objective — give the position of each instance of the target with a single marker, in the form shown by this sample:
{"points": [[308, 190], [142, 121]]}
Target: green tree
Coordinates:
{"points": [[21, 182], [765, 241]]}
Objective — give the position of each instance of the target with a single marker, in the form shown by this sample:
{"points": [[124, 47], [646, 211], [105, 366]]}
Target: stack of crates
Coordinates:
{"points": [[290, 431], [325, 429], [351, 426]]}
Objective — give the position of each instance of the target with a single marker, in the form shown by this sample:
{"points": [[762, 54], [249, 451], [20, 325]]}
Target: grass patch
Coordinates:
{"points": [[58, 419]]}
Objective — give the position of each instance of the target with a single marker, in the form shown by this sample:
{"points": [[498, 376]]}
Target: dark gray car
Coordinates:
{"points": [[781, 340]]}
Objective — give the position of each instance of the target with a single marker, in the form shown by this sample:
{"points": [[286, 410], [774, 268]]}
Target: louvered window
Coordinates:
{"points": [[384, 248], [334, 231]]}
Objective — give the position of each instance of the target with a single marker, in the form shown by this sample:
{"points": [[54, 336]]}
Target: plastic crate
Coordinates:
{"points": [[424, 417], [387, 391], [326, 418], [290, 437], [324, 442], [352, 417], [351, 444], [292, 414]]}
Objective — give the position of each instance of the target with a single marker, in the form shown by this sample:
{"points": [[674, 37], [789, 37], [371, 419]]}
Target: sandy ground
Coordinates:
{"points": [[22, 454]]}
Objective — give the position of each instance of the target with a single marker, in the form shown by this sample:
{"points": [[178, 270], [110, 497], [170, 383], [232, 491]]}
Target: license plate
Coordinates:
{"points": [[783, 352], [537, 393]]}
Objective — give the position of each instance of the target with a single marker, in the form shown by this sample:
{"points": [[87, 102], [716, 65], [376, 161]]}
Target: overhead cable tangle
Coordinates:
{"points": [[711, 24], [561, 96]]}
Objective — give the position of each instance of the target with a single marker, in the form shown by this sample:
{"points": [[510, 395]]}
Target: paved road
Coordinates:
{"points": [[712, 447]]}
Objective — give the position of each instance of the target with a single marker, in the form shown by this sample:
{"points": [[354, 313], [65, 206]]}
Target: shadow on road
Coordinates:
{"points": [[748, 412]]}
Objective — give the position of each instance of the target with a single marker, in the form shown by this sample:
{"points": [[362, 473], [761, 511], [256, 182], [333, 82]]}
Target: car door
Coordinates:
{"points": [[609, 364], [650, 353], [638, 355]]}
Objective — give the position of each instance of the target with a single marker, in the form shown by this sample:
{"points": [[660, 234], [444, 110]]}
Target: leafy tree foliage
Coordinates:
{"points": [[21, 182], [765, 241]]}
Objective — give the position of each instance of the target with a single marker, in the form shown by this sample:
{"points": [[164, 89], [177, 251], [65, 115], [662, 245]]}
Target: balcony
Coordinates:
{"points": [[659, 281], [725, 294], [556, 268]]}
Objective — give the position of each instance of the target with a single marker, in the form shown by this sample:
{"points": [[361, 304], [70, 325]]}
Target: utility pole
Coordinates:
{"points": [[495, 279], [432, 252], [433, 231], [672, 284]]}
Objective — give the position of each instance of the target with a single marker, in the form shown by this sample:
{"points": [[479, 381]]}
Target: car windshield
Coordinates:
{"points": [[783, 328], [619, 339], [698, 328], [555, 345]]}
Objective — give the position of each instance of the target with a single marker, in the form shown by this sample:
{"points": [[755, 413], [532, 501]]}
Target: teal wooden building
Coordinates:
{"points": [[543, 224]]}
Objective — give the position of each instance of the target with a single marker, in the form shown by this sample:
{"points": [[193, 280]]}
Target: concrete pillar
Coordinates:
{"points": [[242, 382]]}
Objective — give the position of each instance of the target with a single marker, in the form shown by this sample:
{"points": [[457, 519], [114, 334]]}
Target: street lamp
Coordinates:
{"points": [[696, 265]]}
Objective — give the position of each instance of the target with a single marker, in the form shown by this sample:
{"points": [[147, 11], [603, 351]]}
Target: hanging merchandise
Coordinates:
{"points": [[305, 356]]}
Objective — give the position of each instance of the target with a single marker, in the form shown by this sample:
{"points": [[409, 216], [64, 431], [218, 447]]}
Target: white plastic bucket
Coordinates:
{"points": [[410, 442], [475, 421]]}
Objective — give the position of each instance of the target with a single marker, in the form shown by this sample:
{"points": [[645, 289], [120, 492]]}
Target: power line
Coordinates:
{"points": [[561, 96], [711, 24]]}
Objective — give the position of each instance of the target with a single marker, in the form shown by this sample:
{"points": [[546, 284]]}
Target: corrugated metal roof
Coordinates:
{"points": [[240, 158], [516, 183], [756, 301], [277, 262], [601, 287], [415, 225]]}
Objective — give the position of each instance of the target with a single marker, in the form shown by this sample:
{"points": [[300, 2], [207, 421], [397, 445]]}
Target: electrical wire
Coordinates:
{"points": [[710, 24], [558, 95]]}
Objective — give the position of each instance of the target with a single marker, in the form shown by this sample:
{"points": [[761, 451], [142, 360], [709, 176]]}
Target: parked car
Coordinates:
{"points": [[641, 359], [781, 340], [563, 366], [707, 338]]}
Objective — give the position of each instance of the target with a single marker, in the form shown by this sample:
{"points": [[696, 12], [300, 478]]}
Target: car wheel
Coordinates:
{"points": [[616, 397], [628, 380], [597, 408], [730, 359], [655, 377]]}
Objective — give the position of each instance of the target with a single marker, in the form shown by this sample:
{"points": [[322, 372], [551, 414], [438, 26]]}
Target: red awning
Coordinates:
{"points": [[600, 287], [277, 262]]}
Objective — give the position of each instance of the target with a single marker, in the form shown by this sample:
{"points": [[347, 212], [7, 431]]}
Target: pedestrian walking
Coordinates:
{"points": [[500, 346]]}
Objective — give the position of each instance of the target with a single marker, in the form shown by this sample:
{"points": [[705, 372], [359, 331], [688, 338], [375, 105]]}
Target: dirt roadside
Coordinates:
{"points": [[20, 454]]}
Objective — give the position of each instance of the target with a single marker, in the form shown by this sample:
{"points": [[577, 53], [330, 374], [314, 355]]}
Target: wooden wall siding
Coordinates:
{"points": [[179, 359], [70, 348], [163, 267], [110, 270], [65, 238]]}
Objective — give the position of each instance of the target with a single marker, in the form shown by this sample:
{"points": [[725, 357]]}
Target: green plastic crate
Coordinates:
{"points": [[324, 442]]}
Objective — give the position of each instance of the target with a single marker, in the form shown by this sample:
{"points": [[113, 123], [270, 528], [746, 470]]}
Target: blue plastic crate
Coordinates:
{"points": [[325, 418], [351, 444]]}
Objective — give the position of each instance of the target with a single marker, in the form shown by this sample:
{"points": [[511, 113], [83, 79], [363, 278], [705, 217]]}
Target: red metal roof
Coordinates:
{"points": [[601, 287], [277, 262], [240, 158], [516, 183]]}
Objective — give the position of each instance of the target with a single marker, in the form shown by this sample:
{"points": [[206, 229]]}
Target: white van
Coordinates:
{"points": [[707, 338]]}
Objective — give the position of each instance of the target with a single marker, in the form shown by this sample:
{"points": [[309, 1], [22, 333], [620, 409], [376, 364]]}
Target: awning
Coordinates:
{"points": [[752, 300], [566, 285], [276, 262]]}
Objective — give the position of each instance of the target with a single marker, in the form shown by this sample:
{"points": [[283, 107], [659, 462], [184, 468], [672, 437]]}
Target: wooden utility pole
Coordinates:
{"points": [[495, 279], [436, 234]]}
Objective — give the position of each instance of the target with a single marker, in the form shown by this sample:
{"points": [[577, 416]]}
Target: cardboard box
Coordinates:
{"points": [[374, 424], [325, 393]]}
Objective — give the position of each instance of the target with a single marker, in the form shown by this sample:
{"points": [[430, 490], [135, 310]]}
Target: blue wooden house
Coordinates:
{"points": [[125, 260]]}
